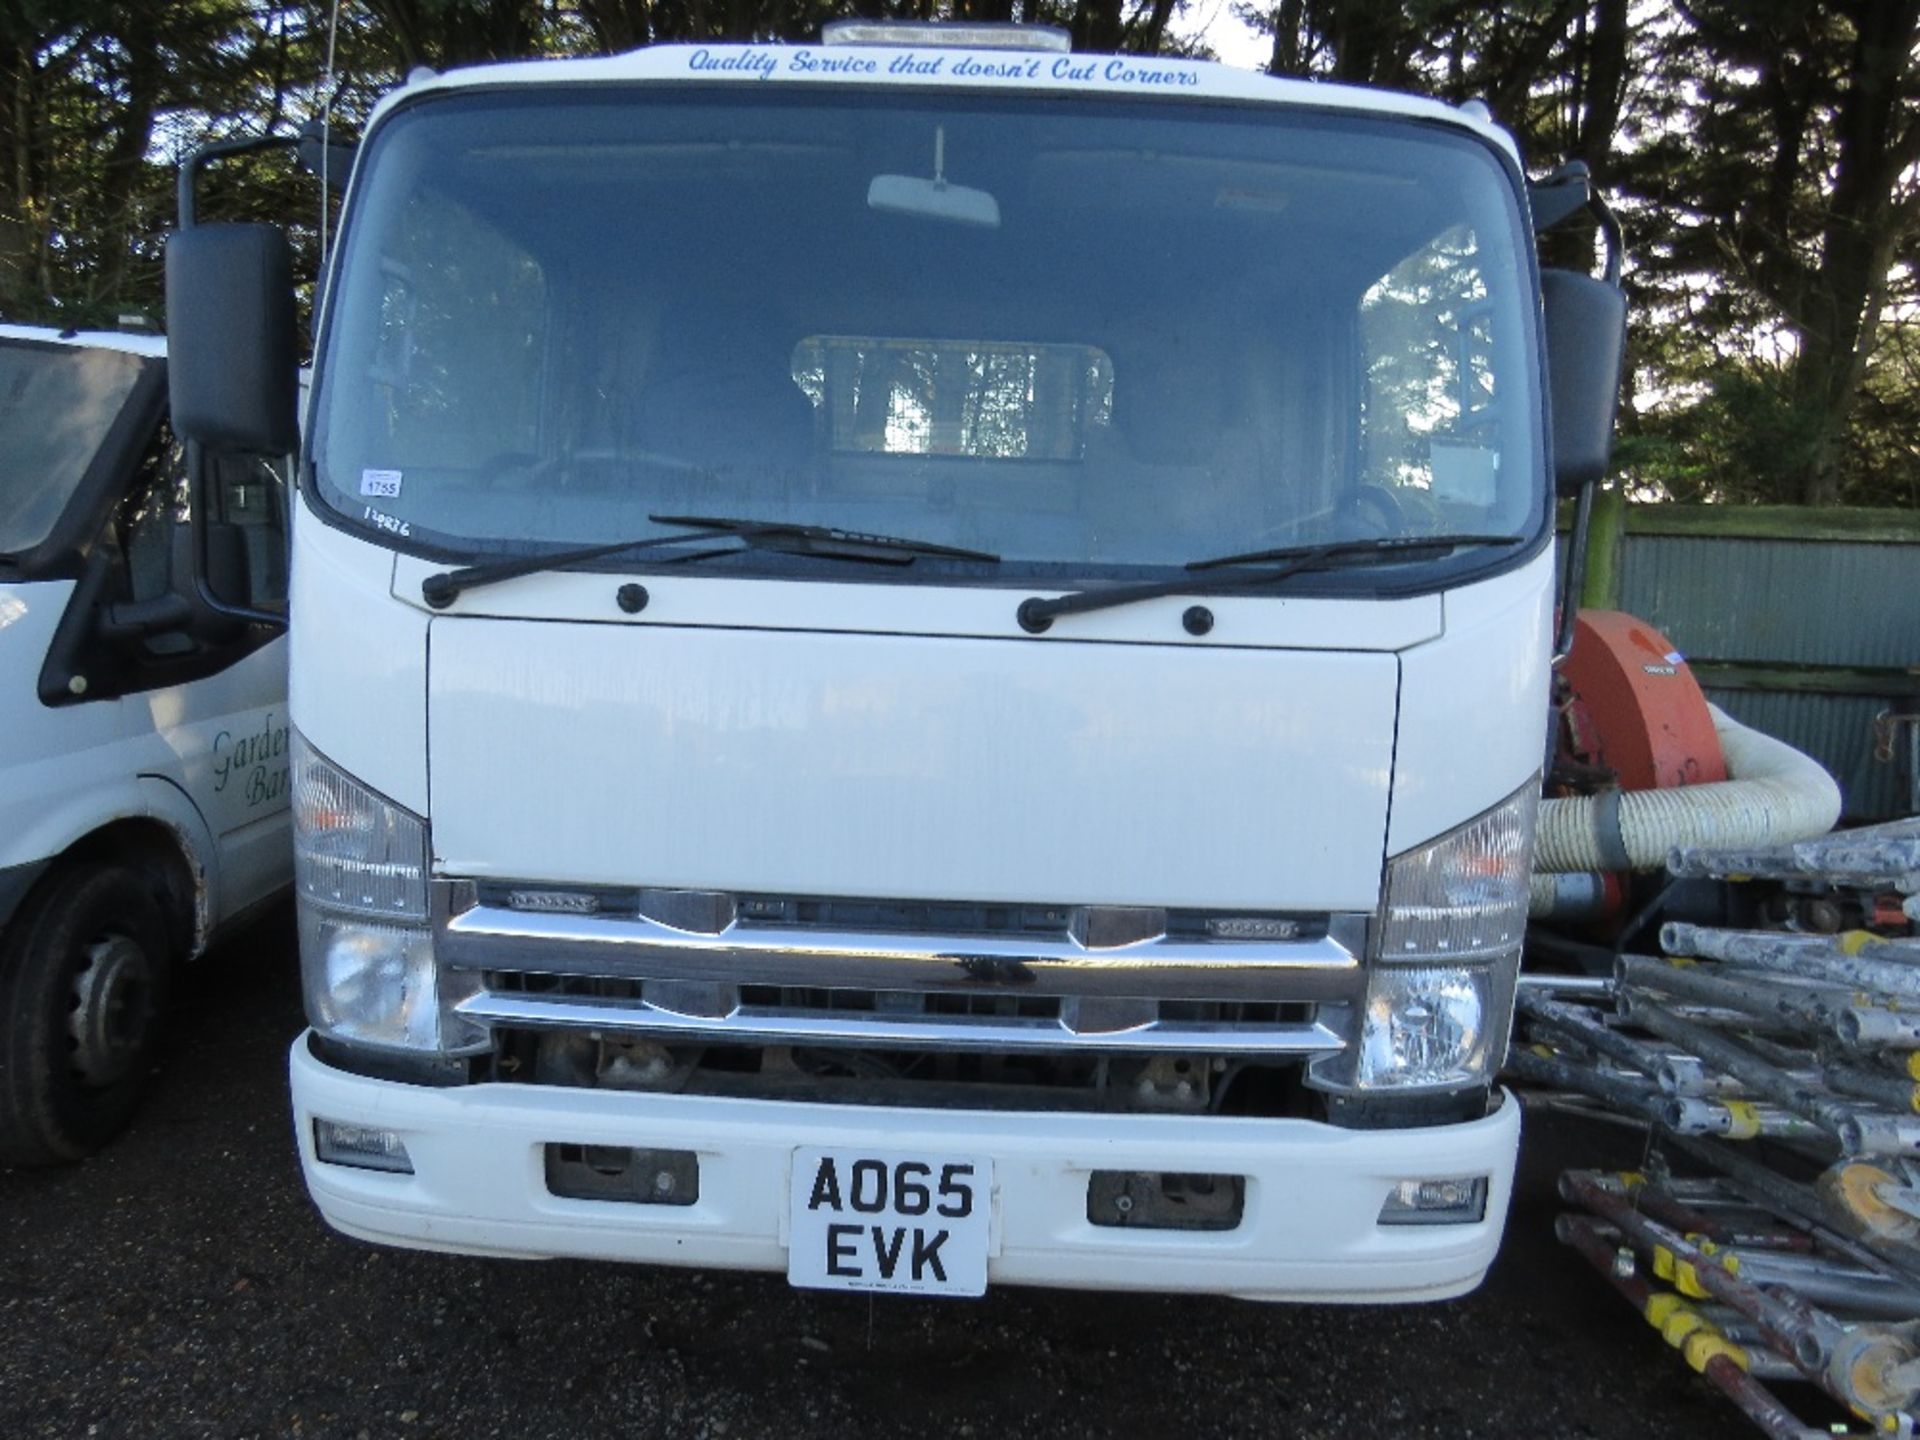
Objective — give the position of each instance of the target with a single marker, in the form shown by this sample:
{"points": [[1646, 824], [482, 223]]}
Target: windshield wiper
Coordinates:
{"points": [[884, 546], [1036, 614], [439, 590]]}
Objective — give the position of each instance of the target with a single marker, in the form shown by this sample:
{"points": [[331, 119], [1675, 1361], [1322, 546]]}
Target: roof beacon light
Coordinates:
{"points": [[980, 35]]}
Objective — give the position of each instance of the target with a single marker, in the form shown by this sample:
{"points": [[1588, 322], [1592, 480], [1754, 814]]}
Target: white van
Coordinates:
{"points": [[143, 735], [920, 662]]}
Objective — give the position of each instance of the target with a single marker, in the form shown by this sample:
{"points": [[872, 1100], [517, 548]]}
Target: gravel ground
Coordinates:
{"points": [[181, 1284]]}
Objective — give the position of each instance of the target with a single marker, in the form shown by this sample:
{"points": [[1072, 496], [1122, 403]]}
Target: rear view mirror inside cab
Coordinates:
{"points": [[934, 199]]}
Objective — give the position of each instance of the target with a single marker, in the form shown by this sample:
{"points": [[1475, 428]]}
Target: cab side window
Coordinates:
{"points": [[1431, 411]]}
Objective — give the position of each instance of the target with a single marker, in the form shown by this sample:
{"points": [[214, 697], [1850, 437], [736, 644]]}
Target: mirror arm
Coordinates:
{"points": [[1611, 234], [214, 150], [1570, 191], [1574, 580], [323, 157]]}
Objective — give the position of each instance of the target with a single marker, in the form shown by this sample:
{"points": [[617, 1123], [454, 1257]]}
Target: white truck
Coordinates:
{"points": [[919, 661], [144, 764]]}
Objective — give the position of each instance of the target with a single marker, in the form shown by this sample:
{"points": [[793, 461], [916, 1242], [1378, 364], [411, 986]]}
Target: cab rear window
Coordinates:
{"points": [[975, 399]]}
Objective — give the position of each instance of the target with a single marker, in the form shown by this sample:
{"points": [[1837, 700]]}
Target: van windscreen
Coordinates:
{"points": [[57, 403], [1096, 339]]}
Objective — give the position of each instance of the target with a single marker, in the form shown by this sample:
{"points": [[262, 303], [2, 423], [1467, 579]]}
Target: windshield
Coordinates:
{"points": [[1093, 339], [57, 403]]}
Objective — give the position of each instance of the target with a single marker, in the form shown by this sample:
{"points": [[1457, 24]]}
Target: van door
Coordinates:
{"points": [[206, 704]]}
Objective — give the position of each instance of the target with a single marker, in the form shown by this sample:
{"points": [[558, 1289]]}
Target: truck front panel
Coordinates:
{"points": [[908, 766]]}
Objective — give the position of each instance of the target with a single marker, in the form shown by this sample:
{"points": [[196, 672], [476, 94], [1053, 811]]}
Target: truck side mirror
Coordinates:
{"points": [[226, 577], [1586, 348], [231, 361]]}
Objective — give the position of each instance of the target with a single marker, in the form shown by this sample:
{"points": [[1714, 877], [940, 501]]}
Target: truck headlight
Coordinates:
{"points": [[1445, 952], [1426, 1025], [366, 940]]}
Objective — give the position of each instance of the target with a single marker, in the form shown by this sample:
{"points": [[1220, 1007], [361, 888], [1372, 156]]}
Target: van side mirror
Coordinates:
{"points": [[1586, 335], [231, 359]]}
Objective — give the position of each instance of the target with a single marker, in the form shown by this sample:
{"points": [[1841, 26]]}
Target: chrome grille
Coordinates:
{"points": [[785, 971]]}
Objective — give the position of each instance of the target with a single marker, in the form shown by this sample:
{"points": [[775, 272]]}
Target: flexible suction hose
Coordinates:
{"points": [[1773, 794]]}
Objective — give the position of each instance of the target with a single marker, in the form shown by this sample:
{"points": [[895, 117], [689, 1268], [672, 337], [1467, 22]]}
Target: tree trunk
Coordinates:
{"points": [[133, 133], [1845, 294], [1605, 85], [1290, 47]]}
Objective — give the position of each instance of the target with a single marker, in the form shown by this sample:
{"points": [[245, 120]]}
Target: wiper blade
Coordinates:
{"points": [[440, 589], [1036, 614], [1377, 545], [777, 530]]}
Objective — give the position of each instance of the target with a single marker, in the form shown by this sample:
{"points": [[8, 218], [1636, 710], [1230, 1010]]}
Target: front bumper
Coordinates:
{"points": [[1309, 1230]]}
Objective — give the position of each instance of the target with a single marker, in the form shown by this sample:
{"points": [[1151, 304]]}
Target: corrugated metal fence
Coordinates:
{"points": [[1802, 623]]}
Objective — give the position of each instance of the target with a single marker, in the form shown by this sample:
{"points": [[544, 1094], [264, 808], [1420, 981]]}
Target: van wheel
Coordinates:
{"points": [[84, 975]]}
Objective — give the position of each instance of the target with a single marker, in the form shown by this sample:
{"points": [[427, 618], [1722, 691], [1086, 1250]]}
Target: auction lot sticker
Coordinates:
{"points": [[882, 1220]]}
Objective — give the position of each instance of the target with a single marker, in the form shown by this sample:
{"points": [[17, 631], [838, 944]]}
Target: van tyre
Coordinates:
{"points": [[84, 976]]}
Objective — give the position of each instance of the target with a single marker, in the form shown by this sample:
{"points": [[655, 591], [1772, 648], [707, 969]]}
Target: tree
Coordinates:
{"points": [[1774, 189], [93, 89], [1825, 96]]}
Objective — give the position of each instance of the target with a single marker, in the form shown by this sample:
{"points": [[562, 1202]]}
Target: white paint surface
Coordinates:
{"points": [[909, 767]]}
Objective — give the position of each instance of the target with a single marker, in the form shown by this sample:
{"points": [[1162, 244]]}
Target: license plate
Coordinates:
{"points": [[905, 1224]]}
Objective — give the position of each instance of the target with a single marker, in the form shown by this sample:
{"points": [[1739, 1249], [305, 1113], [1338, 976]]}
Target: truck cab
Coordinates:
{"points": [[921, 663], [144, 780]]}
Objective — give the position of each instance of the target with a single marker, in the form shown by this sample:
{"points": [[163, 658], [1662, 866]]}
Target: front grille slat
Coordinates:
{"points": [[877, 1031], [1325, 967]]}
